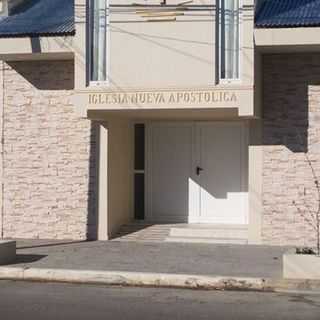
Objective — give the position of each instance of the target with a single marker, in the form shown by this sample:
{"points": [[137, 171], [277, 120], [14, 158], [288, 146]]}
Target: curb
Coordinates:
{"points": [[157, 280]]}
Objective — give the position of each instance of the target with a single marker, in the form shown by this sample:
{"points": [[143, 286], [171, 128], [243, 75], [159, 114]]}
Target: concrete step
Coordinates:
{"points": [[191, 233], [143, 232], [217, 232], [206, 240]]}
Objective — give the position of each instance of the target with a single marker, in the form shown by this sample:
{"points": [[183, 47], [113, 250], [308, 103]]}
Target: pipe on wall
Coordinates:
{"points": [[2, 145]]}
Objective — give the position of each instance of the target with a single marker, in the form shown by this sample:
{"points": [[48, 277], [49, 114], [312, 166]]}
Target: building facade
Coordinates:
{"points": [[200, 112]]}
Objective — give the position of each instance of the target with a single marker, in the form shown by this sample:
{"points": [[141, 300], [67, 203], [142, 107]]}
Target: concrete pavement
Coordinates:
{"points": [[172, 258], [25, 300], [179, 265]]}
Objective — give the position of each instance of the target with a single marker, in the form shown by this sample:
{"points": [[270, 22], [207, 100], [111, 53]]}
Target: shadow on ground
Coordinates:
{"points": [[28, 258]]}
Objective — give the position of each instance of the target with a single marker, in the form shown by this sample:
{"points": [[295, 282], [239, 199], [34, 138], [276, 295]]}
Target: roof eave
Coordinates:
{"points": [[37, 35]]}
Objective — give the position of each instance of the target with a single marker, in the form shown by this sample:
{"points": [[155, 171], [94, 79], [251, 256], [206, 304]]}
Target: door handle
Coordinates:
{"points": [[198, 170]]}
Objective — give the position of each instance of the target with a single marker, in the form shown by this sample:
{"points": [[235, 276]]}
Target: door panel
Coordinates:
{"points": [[175, 193], [223, 192], [170, 168]]}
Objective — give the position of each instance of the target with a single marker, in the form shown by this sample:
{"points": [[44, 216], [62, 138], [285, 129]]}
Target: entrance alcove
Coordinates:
{"points": [[117, 210]]}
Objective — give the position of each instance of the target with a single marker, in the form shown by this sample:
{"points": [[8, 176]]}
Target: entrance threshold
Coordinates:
{"points": [[182, 232]]}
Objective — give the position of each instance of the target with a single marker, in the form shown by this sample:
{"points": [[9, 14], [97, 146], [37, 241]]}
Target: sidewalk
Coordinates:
{"points": [[153, 264], [177, 258]]}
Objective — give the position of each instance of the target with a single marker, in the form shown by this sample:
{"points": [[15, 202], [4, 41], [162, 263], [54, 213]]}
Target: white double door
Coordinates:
{"points": [[197, 172]]}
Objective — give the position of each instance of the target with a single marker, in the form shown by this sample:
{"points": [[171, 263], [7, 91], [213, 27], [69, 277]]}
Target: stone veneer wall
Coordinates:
{"points": [[291, 138], [49, 155]]}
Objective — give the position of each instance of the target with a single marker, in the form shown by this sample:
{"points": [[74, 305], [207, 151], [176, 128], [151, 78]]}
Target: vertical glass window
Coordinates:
{"points": [[99, 14], [229, 39], [139, 196], [139, 146], [139, 170]]}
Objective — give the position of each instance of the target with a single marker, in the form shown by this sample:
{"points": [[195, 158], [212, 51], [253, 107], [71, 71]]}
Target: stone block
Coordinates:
{"points": [[7, 251], [301, 266]]}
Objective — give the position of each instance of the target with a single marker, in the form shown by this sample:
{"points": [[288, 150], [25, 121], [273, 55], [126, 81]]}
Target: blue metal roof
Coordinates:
{"points": [[39, 18], [288, 14], [56, 17]]}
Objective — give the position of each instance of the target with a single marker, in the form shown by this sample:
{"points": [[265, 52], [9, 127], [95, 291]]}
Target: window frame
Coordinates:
{"points": [[239, 78], [99, 83]]}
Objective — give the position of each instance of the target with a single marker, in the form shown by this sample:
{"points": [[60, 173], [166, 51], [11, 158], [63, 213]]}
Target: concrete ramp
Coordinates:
{"points": [[184, 233], [208, 233]]}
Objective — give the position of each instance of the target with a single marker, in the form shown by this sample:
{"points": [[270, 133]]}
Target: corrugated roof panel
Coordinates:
{"points": [[40, 18], [56, 17], [288, 13]]}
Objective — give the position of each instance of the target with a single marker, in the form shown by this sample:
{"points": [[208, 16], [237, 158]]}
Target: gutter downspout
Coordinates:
{"points": [[1, 146]]}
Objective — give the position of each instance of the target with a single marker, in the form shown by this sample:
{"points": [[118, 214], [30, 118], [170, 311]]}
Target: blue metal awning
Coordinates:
{"points": [[288, 14], [39, 18]]}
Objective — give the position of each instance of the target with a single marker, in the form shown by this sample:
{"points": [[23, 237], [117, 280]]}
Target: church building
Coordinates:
{"points": [[197, 119]]}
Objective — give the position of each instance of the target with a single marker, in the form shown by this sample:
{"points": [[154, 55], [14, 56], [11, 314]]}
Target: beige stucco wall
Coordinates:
{"points": [[49, 155], [291, 135], [115, 192], [165, 53], [292, 38], [170, 54], [120, 174], [154, 56]]}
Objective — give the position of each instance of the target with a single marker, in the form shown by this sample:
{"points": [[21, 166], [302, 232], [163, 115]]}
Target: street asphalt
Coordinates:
{"points": [[46, 301]]}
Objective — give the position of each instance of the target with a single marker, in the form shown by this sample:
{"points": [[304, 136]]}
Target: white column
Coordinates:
{"points": [[80, 45], [103, 183], [255, 182]]}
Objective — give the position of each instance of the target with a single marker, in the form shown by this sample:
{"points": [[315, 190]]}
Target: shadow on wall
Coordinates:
{"points": [[49, 76], [92, 221], [39, 74], [287, 100], [291, 155]]}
